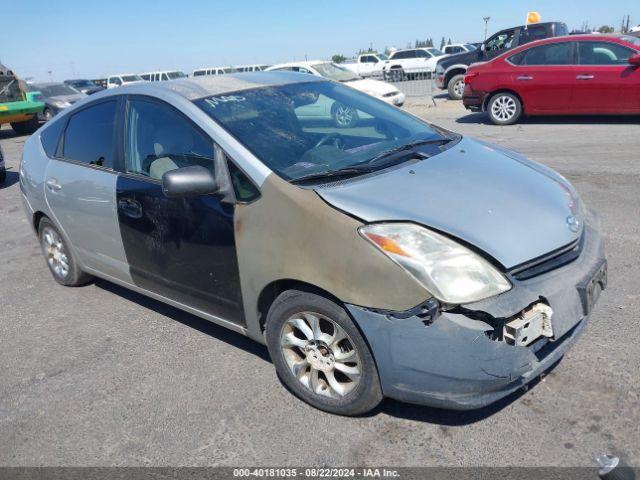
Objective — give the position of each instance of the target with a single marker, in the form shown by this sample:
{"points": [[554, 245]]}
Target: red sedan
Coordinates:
{"points": [[573, 75]]}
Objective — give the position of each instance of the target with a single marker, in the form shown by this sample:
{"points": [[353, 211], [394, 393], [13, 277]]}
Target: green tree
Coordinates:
{"points": [[337, 58], [442, 44], [449, 42], [606, 29]]}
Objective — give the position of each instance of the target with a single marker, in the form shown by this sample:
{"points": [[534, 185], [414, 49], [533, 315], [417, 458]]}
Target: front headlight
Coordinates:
{"points": [[451, 272]]}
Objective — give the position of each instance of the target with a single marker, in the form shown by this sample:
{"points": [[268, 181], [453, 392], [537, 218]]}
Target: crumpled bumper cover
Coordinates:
{"points": [[453, 363]]}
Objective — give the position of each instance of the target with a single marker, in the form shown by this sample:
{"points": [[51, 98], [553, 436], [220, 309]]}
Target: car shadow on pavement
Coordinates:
{"points": [[208, 328], [12, 178], [481, 118], [454, 418]]}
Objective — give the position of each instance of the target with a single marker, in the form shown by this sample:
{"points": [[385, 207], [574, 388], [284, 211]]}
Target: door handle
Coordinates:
{"points": [[585, 77], [130, 207], [53, 185], [524, 77]]}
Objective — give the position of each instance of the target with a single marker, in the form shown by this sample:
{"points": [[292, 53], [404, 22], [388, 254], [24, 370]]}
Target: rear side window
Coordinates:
{"points": [[551, 54], [89, 137], [603, 53], [50, 137]]}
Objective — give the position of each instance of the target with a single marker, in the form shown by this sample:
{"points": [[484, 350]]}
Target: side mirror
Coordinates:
{"points": [[635, 60], [189, 182]]}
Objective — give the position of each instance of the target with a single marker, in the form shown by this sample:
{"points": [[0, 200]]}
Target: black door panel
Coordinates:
{"points": [[181, 248]]}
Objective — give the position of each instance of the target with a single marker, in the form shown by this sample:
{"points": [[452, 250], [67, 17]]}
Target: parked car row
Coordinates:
{"points": [[577, 74], [399, 65]]}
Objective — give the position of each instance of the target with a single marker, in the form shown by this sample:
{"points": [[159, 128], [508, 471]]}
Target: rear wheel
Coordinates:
{"points": [[504, 108], [59, 258], [455, 87], [320, 355], [26, 128]]}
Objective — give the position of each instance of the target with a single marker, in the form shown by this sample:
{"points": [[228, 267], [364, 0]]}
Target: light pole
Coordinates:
{"points": [[486, 21]]}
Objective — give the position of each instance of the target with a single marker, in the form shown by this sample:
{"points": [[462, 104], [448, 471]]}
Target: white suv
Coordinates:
{"points": [[413, 61]]}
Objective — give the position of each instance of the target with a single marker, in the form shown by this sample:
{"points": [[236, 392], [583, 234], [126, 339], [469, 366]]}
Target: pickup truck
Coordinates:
{"points": [[368, 64], [17, 106], [450, 70]]}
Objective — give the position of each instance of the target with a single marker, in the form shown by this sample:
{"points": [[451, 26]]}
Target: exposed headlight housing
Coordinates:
{"points": [[449, 271]]}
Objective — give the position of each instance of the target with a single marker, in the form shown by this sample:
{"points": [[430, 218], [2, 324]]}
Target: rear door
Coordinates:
{"points": [[544, 77], [180, 248], [604, 81], [80, 188]]}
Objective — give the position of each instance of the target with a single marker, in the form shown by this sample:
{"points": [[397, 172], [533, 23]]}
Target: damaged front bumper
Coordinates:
{"points": [[460, 360]]}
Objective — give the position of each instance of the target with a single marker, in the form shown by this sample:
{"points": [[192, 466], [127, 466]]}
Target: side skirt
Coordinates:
{"points": [[212, 318]]}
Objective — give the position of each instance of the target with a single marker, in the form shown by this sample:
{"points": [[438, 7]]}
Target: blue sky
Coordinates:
{"points": [[74, 38]]}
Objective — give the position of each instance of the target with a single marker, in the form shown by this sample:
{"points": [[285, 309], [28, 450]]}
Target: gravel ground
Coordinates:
{"points": [[102, 376]]}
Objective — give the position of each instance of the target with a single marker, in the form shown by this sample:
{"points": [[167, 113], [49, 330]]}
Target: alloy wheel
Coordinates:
{"points": [[320, 354], [458, 88], [344, 115], [55, 252], [504, 108]]}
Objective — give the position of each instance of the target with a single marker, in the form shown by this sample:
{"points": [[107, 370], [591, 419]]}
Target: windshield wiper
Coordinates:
{"points": [[342, 172], [407, 147]]}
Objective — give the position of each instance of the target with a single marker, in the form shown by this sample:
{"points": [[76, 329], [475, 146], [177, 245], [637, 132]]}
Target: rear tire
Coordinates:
{"points": [[60, 260], [3, 175], [504, 108], [455, 87], [26, 128], [320, 354]]}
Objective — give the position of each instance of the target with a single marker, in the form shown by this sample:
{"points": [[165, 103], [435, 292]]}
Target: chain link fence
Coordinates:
{"points": [[412, 84]]}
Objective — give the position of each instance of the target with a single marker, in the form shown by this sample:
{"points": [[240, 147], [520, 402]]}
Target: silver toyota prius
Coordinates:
{"points": [[387, 258]]}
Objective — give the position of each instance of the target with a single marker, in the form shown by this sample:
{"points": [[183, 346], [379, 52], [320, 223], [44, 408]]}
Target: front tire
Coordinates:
{"points": [[504, 108], [26, 128], [455, 87], [59, 258], [320, 354]]}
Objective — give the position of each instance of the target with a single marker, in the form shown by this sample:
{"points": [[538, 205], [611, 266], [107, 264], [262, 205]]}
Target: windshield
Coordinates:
{"points": [[470, 47], [174, 75], [131, 78], [82, 84], [335, 72], [303, 129], [435, 52], [382, 56], [55, 90]]}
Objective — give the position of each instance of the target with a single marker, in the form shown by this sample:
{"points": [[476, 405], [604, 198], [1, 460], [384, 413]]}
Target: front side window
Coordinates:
{"points": [[550, 54], [159, 139], [603, 53], [304, 129], [501, 41], [89, 137]]}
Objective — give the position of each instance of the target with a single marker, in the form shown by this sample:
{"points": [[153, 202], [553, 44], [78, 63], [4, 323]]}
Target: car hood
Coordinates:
{"points": [[464, 58], [71, 98], [513, 209], [375, 86]]}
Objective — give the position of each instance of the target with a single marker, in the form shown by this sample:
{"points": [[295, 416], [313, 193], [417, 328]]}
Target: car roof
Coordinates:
{"points": [[193, 88]]}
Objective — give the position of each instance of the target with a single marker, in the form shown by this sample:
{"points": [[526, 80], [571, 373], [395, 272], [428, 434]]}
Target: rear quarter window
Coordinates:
{"points": [[50, 137]]}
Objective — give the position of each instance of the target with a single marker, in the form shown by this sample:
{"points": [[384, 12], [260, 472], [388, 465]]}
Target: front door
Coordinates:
{"points": [[604, 80], [180, 248]]}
